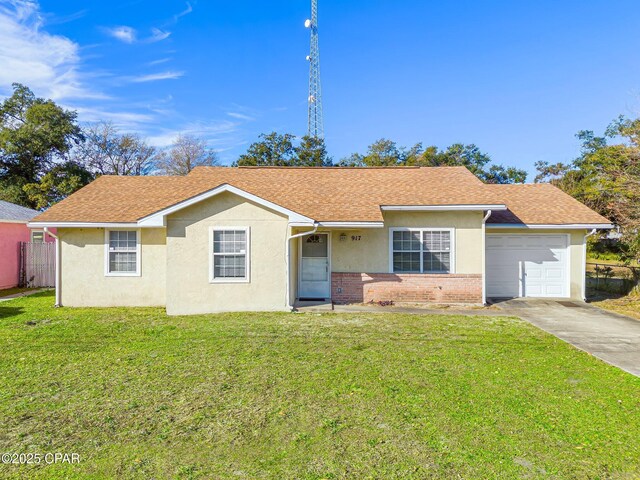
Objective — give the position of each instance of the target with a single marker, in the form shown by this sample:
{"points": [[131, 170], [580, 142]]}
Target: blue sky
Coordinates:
{"points": [[517, 78]]}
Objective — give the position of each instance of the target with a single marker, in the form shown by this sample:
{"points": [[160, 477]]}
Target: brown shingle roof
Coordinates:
{"points": [[541, 204], [323, 194]]}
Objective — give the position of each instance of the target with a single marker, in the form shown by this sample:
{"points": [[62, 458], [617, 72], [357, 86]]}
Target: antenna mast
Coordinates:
{"points": [[316, 123]]}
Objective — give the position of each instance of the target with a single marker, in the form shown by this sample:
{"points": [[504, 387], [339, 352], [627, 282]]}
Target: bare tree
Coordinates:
{"points": [[106, 151], [186, 153]]}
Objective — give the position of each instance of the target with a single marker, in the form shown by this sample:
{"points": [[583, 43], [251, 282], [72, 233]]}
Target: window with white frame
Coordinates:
{"points": [[123, 252], [230, 254], [37, 236], [421, 250]]}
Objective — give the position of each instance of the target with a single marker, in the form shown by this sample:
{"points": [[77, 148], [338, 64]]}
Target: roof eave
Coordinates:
{"points": [[555, 226], [444, 208]]}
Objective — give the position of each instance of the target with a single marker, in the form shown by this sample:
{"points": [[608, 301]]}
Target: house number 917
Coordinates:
{"points": [[356, 238]]}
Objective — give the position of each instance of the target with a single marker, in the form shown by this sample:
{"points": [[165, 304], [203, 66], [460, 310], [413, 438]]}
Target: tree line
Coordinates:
{"points": [[45, 155], [606, 177]]}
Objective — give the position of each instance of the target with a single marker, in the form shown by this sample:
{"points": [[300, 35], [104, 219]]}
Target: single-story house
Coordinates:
{"points": [[13, 231], [264, 238]]}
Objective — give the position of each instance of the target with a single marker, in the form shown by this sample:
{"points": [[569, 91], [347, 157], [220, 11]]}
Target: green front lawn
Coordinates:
{"points": [[138, 394]]}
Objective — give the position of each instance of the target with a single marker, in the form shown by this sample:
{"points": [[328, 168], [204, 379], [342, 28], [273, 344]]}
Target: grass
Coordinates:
{"points": [[627, 305], [138, 394]]}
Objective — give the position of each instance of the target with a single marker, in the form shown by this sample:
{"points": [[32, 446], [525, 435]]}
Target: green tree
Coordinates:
{"points": [[34, 134], [58, 183], [502, 174], [186, 153], [606, 177], [274, 149], [460, 155], [312, 152], [386, 153], [381, 153]]}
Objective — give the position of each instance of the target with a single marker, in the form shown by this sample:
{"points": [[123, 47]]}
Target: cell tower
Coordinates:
{"points": [[316, 123]]}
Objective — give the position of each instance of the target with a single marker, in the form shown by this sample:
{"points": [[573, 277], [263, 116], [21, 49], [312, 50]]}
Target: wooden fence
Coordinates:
{"points": [[37, 264]]}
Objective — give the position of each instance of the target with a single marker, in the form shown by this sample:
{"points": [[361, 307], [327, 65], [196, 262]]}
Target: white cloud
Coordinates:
{"points": [[129, 35], [186, 11], [241, 116], [158, 62], [217, 133], [48, 64], [123, 33], [152, 77], [123, 119], [157, 35]]}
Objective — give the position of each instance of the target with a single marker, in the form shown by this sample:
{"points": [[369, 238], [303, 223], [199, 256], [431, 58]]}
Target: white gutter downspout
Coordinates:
{"points": [[58, 282], [584, 264], [287, 302], [484, 255]]}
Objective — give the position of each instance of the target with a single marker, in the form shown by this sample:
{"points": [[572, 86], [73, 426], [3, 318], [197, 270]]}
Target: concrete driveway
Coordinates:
{"points": [[609, 336]]}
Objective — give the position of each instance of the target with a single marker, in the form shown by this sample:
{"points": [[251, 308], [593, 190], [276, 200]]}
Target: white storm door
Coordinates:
{"points": [[314, 276]]}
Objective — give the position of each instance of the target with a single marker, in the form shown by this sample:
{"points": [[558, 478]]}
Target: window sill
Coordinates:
{"points": [[228, 280], [118, 274]]}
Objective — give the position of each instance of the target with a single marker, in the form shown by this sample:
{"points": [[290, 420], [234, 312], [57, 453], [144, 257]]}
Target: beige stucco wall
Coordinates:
{"points": [[84, 283], [370, 254], [188, 288], [576, 252]]}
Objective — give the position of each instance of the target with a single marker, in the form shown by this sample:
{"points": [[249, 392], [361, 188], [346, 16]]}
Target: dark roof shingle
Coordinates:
{"points": [[11, 212]]}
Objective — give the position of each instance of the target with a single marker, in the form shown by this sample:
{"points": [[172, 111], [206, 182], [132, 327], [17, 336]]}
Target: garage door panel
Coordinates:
{"points": [[529, 265], [554, 291], [553, 273]]}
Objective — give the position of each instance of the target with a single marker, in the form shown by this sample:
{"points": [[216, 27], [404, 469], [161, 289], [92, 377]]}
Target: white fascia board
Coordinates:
{"points": [[82, 225], [352, 224], [157, 219], [338, 224], [568, 226], [443, 208], [15, 221]]}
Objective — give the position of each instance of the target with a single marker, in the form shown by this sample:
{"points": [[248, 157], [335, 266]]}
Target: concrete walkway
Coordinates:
{"points": [[609, 336], [23, 294]]}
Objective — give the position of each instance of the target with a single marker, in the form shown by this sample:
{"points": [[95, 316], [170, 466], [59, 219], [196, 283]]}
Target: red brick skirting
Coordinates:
{"points": [[413, 287]]}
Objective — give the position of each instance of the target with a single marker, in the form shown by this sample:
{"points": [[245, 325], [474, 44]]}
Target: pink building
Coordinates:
{"points": [[13, 230]]}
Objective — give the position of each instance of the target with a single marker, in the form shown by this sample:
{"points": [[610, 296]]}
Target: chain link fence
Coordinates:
{"points": [[614, 279]]}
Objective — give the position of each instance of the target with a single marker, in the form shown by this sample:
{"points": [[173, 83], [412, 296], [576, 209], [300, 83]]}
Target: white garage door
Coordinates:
{"points": [[527, 266]]}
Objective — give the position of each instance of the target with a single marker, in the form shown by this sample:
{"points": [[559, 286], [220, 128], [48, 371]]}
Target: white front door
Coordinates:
{"points": [[314, 276], [527, 266]]}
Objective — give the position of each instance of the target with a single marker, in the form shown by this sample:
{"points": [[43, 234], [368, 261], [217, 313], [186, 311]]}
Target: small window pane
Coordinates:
{"points": [[437, 241], [229, 241], [406, 240], [122, 262], [229, 266], [37, 237], [437, 262], [406, 261]]}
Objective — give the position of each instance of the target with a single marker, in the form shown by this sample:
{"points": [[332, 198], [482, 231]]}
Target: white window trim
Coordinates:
{"points": [[138, 271], [44, 238], [452, 259], [247, 278]]}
